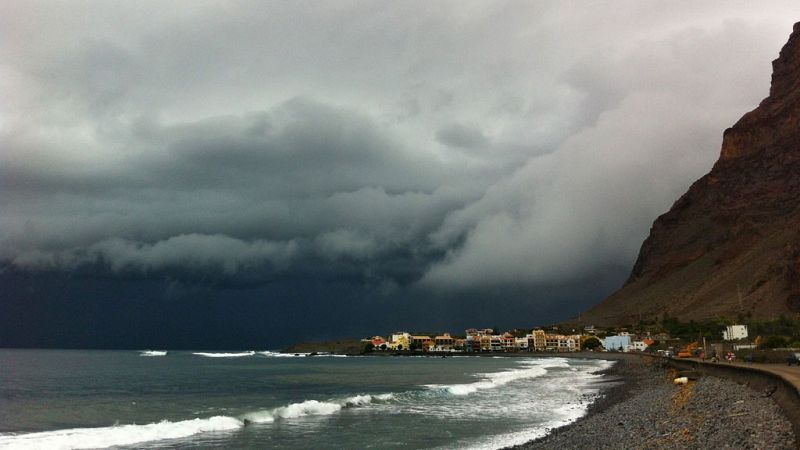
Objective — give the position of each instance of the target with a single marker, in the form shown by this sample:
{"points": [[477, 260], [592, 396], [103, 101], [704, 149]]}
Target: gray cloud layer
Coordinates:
{"points": [[457, 145]]}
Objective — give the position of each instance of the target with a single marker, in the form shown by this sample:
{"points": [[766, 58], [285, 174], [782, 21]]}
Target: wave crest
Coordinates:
{"points": [[224, 355], [313, 408], [274, 354], [491, 380], [77, 438], [121, 435]]}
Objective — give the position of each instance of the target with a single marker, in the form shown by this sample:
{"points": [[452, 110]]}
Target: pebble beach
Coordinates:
{"points": [[643, 409]]}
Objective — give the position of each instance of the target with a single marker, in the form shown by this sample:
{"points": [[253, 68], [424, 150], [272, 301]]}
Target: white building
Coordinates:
{"points": [[398, 335], [734, 332], [620, 342]]}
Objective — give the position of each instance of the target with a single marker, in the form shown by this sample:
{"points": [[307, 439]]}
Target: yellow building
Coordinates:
{"points": [[400, 341]]}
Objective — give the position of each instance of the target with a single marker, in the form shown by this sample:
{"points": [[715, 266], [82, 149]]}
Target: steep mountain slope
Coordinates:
{"points": [[731, 244]]}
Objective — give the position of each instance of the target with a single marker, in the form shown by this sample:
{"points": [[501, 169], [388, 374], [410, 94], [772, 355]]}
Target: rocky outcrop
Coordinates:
{"points": [[730, 246]]}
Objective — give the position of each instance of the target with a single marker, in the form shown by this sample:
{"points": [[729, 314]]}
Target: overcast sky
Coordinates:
{"points": [[433, 149]]}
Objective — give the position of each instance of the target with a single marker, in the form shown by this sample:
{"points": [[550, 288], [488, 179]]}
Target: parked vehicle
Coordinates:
{"points": [[793, 359]]}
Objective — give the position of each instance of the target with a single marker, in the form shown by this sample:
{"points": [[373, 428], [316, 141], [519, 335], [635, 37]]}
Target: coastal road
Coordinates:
{"points": [[789, 373]]}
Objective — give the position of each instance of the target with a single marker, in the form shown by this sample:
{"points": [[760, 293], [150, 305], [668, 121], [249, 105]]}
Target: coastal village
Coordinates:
{"points": [[540, 340], [478, 340]]}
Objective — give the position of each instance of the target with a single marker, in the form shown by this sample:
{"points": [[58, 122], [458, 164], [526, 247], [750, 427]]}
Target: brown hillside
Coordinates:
{"points": [[731, 244]]}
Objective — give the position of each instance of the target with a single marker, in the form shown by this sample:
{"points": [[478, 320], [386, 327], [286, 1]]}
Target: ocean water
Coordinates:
{"points": [[127, 399]]}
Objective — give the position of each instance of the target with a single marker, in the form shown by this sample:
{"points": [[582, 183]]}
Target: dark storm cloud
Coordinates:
{"points": [[460, 145]]}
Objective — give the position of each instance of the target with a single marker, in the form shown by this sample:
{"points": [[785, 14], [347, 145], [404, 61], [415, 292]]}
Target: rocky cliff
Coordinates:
{"points": [[730, 246]]}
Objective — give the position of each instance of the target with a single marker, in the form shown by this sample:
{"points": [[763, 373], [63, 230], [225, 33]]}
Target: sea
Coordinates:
{"points": [[64, 399]]}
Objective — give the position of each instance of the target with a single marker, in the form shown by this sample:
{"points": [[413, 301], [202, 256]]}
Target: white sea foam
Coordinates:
{"points": [[313, 408], [153, 353], [224, 355], [80, 438], [273, 354], [505, 440], [560, 414], [492, 380], [76, 438], [294, 410], [361, 400]]}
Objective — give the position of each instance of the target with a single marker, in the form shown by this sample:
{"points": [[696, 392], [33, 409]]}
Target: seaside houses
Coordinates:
{"points": [[491, 343], [479, 340], [420, 342], [496, 343], [508, 342], [486, 342], [517, 340], [539, 340], [444, 343], [472, 343], [378, 342], [562, 343]]}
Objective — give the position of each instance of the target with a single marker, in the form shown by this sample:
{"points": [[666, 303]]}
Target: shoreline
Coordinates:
{"points": [[642, 408], [619, 383]]}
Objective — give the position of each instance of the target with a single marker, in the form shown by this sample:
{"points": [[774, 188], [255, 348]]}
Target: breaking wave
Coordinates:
{"points": [[76, 438], [494, 379], [224, 355], [118, 435], [313, 408], [153, 353], [274, 354]]}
